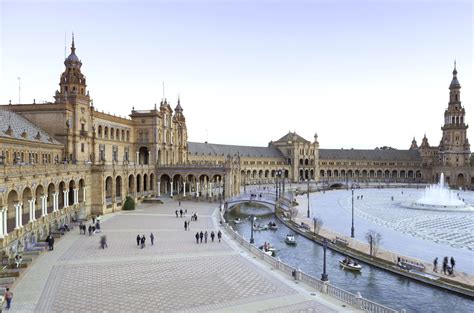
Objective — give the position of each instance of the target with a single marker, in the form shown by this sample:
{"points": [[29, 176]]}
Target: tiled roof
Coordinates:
{"points": [[216, 149], [292, 137], [21, 125], [376, 154]]}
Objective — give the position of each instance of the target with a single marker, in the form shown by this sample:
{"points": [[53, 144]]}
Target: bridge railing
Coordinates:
{"points": [[354, 300]]}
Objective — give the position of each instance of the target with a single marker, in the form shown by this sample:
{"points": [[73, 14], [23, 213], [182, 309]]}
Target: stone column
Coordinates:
{"points": [[32, 209], [138, 157], [197, 189], [5, 216], [84, 194], [159, 189], [55, 201], [17, 215], [171, 193], [2, 231], [184, 189], [44, 204], [66, 198]]}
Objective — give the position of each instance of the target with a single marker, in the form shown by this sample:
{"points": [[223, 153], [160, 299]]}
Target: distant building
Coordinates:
{"points": [[64, 159]]}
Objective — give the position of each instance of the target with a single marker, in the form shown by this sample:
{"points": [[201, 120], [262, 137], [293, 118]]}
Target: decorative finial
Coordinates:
{"points": [[73, 47], [455, 71]]}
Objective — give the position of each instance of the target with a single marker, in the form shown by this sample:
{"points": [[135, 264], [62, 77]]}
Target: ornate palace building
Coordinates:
{"points": [[63, 158]]}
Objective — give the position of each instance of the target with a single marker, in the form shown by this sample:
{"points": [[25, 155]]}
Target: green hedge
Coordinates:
{"points": [[129, 204]]}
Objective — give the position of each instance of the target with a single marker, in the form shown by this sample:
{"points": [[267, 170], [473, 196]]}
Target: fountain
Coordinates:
{"points": [[440, 197]]}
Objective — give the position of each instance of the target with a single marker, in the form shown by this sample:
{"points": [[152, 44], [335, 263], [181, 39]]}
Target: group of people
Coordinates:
{"points": [[203, 235], [181, 213], [447, 269], [141, 240]]}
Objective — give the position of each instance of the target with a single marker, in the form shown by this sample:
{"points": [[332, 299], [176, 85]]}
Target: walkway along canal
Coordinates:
{"points": [[378, 285]]}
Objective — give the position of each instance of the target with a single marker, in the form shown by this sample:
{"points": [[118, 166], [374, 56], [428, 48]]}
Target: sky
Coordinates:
{"points": [[360, 74]]}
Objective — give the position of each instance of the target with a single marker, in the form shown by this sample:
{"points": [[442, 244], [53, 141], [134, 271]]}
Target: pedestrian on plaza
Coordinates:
{"points": [[435, 265], [201, 234], [197, 237], [93, 219], [8, 295], [176, 212], [189, 225], [51, 243], [185, 225], [212, 236], [142, 241], [90, 230], [445, 264], [185, 211], [179, 202], [138, 240], [152, 238], [205, 237], [195, 217], [103, 242], [219, 235], [181, 212], [453, 263]]}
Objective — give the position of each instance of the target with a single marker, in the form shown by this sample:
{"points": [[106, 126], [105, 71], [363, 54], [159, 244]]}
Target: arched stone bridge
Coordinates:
{"points": [[267, 199]]}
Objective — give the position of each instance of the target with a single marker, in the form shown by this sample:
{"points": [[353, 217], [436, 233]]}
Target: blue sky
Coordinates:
{"points": [[359, 73]]}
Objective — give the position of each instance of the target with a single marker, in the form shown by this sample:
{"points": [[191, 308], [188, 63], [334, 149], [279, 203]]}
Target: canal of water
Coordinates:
{"points": [[374, 284]]}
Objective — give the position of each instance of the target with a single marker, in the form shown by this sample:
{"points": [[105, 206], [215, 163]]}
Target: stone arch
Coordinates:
{"points": [[260, 174], [311, 172], [273, 173], [143, 155], [372, 174], [364, 174], [336, 173], [12, 200], [343, 173], [165, 183], [301, 174], [108, 190], [350, 174], [27, 195], [387, 174], [329, 173], [61, 189], [139, 183], [418, 174], [410, 174], [72, 186], [394, 174], [39, 192], [379, 173], [301, 161], [50, 200], [267, 172], [118, 188], [403, 174], [254, 174], [321, 173], [306, 162], [82, 190], [131, 185], [306, 174], [461, 181], [152, 181], [145, 182]]}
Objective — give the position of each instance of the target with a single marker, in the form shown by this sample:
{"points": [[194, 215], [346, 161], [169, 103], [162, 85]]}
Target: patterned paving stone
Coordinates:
{"points": [[158, 285], [303, 307]]}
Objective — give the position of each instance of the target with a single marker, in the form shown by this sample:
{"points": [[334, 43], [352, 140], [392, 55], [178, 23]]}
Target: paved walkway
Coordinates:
{"points": [[364, 247], [175, 274]]}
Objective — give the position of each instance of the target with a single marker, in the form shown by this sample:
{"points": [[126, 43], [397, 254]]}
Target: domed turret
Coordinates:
{"points": [[72, 60]]}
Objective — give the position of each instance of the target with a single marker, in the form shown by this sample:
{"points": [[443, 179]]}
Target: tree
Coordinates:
{"points": [[129, 204], [374, 239], [318, 223]]}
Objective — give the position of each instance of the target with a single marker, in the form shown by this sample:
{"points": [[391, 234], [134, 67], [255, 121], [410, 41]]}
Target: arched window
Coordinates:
{"points": [[100, 131]]}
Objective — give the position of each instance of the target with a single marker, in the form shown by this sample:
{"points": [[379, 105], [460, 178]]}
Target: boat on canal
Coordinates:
{"points": [[350, 265], [260, 227], [272, 225], [290, 239]]}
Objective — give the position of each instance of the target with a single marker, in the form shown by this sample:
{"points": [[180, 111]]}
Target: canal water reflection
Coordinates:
{"points": [[374, 284]]}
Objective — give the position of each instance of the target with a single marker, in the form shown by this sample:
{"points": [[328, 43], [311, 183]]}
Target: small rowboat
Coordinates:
{"points": [[290, 239], [350, 265], [237, 221]]}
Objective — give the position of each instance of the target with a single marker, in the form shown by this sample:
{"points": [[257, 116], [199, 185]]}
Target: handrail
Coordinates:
{"points": [[356, 301]]}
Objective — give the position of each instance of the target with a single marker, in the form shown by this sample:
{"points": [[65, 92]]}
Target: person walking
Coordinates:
{"points": [[197, 237], [212, 236], [181, 212], [90, 230], [219, 235], [138, 240], [103, 242], [152, 238], [179, 202], [453, 263], [201, 234], [435, 265], [8, 295], [51, 243], [205, 237], [176, 212], [189, 225], [143, 241], [185, 225], [445, 264]]}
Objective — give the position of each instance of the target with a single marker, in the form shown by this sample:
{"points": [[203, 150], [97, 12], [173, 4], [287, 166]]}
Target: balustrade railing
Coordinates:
{"points": [[356, 301]]}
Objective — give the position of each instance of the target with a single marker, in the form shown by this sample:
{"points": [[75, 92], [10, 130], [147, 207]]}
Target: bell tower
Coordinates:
{"points": [[454, 148]]}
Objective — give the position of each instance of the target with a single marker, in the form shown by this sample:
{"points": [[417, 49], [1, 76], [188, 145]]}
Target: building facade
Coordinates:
{"points": [[65, 158]]}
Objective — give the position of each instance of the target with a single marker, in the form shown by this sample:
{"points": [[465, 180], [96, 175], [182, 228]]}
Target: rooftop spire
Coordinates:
{"points": [[454, 82], [73, 47]]}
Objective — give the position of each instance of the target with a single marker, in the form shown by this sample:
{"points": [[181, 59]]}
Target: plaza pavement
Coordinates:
{"points": [[174, 275]]}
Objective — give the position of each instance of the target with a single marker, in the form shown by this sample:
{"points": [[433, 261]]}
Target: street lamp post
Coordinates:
{"points": [[324, 275], [251, 229], [352, 227], [276, 188], [307, 213]]}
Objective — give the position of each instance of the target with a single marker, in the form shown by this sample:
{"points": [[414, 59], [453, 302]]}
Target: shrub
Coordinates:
{"points": [[129, 204]]}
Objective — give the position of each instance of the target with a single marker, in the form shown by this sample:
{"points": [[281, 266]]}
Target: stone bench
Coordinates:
{"points": [[341, 242]]}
